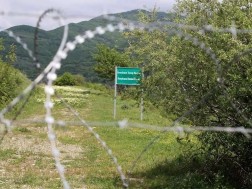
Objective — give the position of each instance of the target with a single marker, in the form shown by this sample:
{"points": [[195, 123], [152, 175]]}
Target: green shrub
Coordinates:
{"points": [[68, 79]]}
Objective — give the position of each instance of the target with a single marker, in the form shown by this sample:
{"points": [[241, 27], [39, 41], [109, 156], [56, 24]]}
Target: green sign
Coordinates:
{"points": [[128, 76]]}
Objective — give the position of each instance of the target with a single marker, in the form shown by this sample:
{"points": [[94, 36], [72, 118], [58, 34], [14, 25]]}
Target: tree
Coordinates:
{"points": [[11, 79], [229, 103], [11, 57], [205, 65], [150, 51], [107, 59]]}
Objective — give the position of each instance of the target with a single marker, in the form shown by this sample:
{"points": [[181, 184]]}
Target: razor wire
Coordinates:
{"points": [[126, 124], [48, 118], [33, 55], [66, 47]]}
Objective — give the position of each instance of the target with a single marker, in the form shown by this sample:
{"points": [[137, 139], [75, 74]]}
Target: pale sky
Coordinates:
{"points": [[74, 10]]}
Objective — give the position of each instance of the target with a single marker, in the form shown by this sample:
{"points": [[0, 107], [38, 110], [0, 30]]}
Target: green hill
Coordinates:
{"points": [[79, 61]]}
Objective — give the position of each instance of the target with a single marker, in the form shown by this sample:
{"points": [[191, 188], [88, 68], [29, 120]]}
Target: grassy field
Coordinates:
{"points": [[26, 160]]}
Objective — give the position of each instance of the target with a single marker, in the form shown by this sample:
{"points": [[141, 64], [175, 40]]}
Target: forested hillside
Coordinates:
{"points": [[82, 57]]}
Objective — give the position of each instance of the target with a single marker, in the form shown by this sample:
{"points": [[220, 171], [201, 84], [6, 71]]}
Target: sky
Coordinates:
{"points": [[73, 10]]}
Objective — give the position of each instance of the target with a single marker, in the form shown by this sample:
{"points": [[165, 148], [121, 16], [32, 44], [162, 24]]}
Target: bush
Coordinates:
{"points": [[68, 79], [79, 79]]}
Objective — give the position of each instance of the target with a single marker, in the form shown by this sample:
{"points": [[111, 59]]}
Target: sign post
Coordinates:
{"points": [[141, 106], [115, 94], [142, 101], [126, 76]]}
